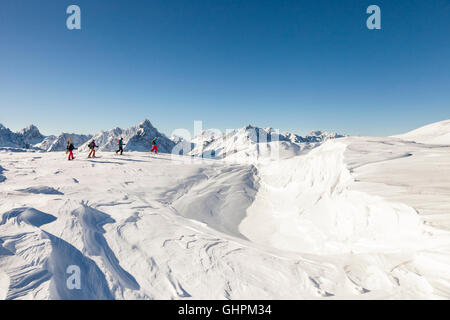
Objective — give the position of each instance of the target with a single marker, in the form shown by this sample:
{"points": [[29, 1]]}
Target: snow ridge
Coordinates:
{"points": [[435, 133]]}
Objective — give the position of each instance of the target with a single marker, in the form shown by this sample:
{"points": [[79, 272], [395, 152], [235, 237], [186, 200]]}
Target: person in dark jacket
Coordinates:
{"points": [[70, 148], [92, 147], [120, 146]]}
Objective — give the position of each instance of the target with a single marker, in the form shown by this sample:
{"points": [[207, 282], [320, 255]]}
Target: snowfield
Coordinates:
{"points": [[435, 133], [352, 218]]}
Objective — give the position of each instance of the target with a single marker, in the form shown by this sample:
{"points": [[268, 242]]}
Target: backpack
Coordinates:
{"points": [[90, 145]]}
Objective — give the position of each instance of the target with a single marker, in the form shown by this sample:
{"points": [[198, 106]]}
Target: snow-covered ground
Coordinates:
{"points": [[354, 218], [435, 133]]}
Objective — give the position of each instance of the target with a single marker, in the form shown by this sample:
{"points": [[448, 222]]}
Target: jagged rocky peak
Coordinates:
{"points": [[31, 128], [145, 124]]}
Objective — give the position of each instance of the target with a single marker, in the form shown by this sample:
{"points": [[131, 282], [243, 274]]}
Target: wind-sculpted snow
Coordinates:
{"points": [[2, 177], [304, 205], [218, 199], [30, 216], [32, 259], [354, 218], [95, 244], [41, 190], [93, 283]]}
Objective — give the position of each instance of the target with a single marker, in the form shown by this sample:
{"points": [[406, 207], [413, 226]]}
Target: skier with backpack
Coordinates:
{"points": [[92, 147], [70, 148], [120, 143], [155, 145]]}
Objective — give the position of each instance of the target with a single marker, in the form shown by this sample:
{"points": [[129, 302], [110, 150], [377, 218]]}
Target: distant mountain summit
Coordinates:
{"points": [[31, 135]]}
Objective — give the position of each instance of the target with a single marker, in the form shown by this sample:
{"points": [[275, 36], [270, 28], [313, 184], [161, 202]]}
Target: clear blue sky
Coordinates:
{"points": [[293, 65]]}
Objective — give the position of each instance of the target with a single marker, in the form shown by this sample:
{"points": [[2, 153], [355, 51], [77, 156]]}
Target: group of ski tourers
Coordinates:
{"points": [[92, 145]]}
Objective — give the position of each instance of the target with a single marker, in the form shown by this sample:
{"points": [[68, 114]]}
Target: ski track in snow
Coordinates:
{"points": [[354, 218]]}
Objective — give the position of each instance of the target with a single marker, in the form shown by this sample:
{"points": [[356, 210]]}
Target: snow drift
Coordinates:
{"points": [[304, 205]]}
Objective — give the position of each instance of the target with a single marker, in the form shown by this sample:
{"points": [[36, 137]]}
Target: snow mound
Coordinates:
{"points": [[435, 133], [30, 216], [41, 190], [217, 199]]}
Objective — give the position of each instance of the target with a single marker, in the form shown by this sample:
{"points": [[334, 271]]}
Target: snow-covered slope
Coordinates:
{"points": [[360, 218], [45, 144], [435, 133], [137, 138]]}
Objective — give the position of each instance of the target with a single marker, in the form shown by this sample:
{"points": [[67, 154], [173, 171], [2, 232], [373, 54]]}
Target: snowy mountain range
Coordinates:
{"points": [[25, 138], [31, 138], [254, 142], [53, 144], [249, 141], [136, 138]]}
